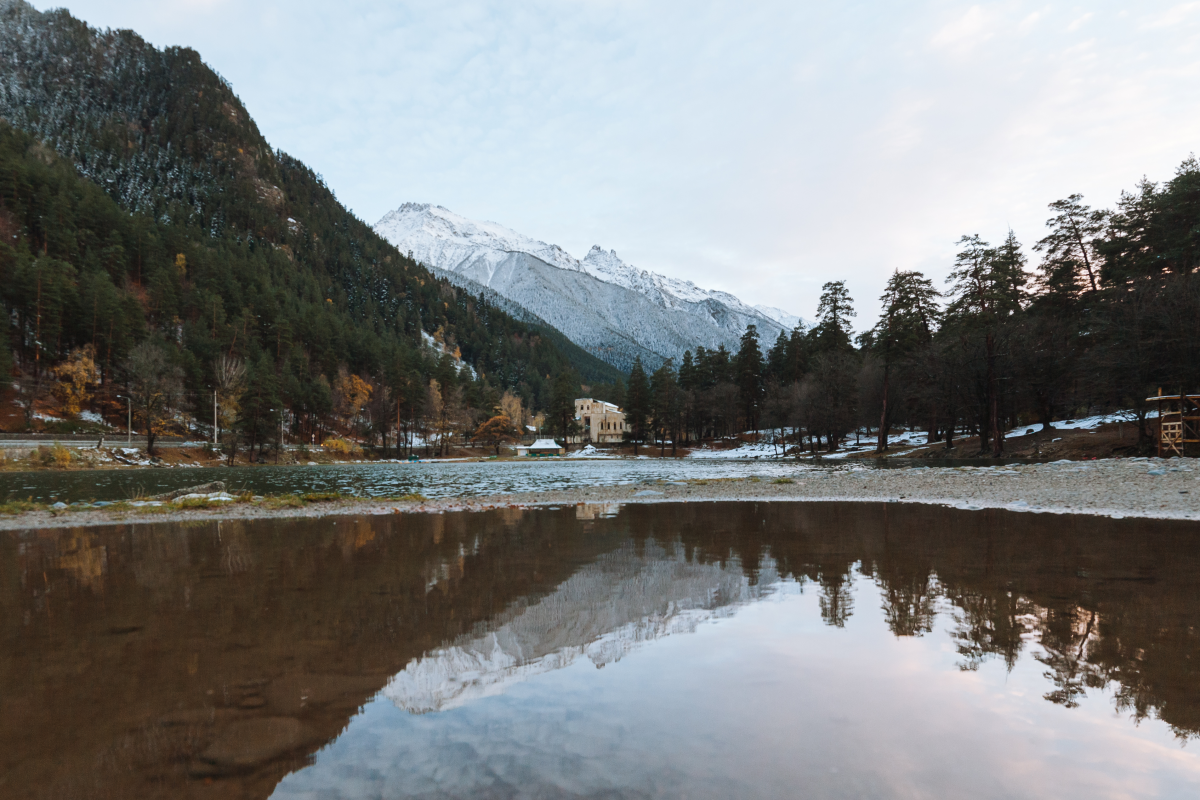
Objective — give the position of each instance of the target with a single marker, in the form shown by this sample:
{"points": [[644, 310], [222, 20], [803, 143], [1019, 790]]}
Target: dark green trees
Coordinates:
{"points": [[906, 326], [987, 287], [1071, 264], [750, 376], [561, 413], [637, 406], [666, 406]]}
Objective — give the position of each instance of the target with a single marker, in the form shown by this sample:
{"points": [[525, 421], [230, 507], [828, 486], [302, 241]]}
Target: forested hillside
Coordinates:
{"points": [[1108, 314], [140, 207]]}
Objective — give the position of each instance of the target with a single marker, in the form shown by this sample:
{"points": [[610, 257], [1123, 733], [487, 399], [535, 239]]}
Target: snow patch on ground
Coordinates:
{"points": [[591, 452], [904, 439], [1083, 423], [747, 450]]}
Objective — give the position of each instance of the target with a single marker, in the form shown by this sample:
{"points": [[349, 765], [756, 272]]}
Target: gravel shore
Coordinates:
{"points": [[1151, 488]]}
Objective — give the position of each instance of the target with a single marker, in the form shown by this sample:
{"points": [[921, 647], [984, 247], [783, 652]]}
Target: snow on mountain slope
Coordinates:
{"points": [[439, 237], [613, 309], [608, 609], [785, 319]]}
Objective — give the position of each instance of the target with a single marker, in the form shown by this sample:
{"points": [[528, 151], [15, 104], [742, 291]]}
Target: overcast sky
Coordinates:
{"points": [[762, 148]]}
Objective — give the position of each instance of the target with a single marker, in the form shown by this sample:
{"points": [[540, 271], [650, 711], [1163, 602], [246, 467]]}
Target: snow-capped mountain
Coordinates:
{"points": [[601, 303], [608, 609]]}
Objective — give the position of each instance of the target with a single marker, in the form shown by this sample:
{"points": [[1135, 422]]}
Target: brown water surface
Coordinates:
{"points": [[671, 650]]}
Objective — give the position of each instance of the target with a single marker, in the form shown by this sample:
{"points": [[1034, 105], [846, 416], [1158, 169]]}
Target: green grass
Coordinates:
{"points": [[323, 497], [282, 501], [15, 507], [783, 480]]}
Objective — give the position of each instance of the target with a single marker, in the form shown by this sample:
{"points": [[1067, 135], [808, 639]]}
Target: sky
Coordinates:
{"points": [[758, 148]]}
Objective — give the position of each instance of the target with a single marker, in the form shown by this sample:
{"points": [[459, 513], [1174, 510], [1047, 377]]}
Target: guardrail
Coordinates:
{"points": [[78, 440]]}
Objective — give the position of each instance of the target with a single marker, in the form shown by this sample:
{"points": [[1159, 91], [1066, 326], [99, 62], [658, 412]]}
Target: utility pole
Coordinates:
{"points": [[214, 417]]}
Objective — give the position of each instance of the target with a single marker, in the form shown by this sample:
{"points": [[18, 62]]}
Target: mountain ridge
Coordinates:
{"points": [[672, 315]]}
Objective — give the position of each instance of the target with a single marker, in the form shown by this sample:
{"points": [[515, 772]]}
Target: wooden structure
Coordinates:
{"points": [[1178, 422]]}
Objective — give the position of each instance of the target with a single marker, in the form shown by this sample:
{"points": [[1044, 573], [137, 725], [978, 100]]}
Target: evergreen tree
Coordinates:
{"points": [[908, 322], [1071, 263], [750, 378], [637, 405], [561, 412], [987, 289], [832, 331], [665, 405], [260, 407]]}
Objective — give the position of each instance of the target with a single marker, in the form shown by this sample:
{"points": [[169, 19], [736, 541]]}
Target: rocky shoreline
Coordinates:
{"points": [[1148, 488]]}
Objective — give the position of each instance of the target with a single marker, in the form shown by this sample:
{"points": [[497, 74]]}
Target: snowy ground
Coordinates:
{"points": [[765, 448], [590, 452], [903, 439], [1083, 423]]}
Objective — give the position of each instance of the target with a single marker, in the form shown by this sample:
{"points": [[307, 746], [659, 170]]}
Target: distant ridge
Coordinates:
{"points": [[610, 308]]}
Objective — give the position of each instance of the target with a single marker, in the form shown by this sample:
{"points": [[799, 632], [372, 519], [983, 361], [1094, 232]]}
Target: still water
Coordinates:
{"points": [[701, 650]]}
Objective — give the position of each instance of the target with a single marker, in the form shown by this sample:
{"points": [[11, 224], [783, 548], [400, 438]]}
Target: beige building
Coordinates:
{"points": [[603, 423]]}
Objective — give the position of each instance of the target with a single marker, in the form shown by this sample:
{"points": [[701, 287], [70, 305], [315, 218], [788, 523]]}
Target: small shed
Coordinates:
{"points": [[542, 447]]}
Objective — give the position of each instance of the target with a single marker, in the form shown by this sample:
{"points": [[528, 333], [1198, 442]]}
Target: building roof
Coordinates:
{"points": [[605, 406], [545, 444]]}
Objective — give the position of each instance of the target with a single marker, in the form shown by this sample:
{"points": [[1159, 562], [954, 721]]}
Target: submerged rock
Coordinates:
{"points": [[204, 488]]}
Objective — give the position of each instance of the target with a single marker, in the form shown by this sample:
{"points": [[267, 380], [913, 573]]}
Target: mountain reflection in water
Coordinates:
{"points": [[455, 655]]}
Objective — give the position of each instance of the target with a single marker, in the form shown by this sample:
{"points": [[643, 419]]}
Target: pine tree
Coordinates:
{"points": [[1071, 264], [908, 321], [832, 331], [988, 286], [637, 405], [561, 412], [749, 365], [665, 405]]}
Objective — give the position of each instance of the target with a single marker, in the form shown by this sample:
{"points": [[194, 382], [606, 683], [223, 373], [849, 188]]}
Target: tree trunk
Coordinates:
{"points": [[882, 444], [994, 397]]}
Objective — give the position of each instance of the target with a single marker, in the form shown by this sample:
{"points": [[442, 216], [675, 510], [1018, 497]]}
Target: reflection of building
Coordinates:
{"points": [[602, 422]]}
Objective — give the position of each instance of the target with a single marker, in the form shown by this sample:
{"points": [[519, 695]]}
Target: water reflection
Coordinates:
{"points": [[459, 653]]}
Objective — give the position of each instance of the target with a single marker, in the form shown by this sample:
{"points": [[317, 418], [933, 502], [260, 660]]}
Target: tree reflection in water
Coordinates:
{"points": [[132, 658]]}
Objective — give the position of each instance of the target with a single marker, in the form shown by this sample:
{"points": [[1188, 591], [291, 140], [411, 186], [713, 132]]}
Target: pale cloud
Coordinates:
{"points": [[758, 148], [1078, 23], [1172, 16], [965, 32]]}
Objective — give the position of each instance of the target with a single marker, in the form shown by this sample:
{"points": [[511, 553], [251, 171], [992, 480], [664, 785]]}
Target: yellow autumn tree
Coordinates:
{"points": [[76, 376], [496, 431], [350, 393], [510, 405]]}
